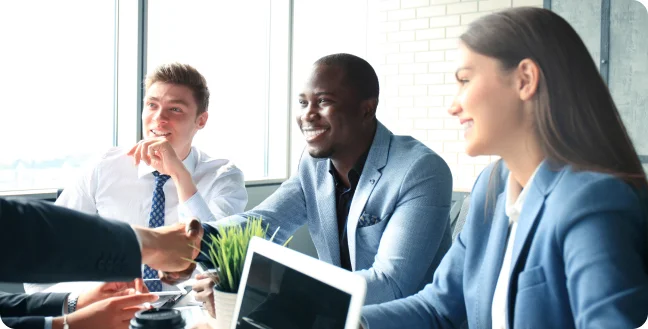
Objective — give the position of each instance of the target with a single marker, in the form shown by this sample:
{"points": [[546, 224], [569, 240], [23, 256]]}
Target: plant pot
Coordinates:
{"points": [[224, 303]]}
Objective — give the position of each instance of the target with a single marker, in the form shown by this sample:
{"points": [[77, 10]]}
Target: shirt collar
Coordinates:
{"points": [[354, 173], [514, 207], [189, 162]]}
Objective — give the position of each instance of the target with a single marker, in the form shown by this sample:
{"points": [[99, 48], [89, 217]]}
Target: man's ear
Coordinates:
{"points": [[369, 108], [528, 77], [201, 120]]}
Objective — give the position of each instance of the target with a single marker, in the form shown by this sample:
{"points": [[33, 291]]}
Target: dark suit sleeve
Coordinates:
{"points": [[46, 243], [43, 304], [26, 322], [205, 243]]}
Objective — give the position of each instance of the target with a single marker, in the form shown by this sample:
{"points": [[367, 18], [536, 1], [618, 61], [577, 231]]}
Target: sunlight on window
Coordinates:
{"points": [[57, 89], [229, 44]]}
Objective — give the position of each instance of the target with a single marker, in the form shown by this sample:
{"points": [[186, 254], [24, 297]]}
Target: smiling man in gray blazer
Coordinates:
{"points": [[375, 203]]}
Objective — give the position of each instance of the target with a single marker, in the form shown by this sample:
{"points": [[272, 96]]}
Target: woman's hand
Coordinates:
{"points": [[205, 293], [111, 313], [110, 289]]}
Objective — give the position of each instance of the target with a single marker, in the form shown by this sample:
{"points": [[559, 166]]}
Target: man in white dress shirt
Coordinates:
{"points": [[163, 179]]}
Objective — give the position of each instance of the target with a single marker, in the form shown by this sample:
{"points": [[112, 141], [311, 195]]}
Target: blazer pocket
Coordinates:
{"points": [[531, 277], [367, 220], [368, 237]]}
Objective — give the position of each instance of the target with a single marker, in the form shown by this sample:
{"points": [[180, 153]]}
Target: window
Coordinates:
{"points": [[70, 89], [57, 89], [244, 53], [323, 28]]}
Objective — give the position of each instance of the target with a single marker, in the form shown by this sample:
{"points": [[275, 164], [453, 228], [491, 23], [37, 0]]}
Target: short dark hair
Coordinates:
{"points": [[358, 73], [184, 75]]}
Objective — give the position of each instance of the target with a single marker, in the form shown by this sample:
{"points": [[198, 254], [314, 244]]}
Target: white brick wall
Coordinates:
{"points": [[413, 49], [415, 24]]}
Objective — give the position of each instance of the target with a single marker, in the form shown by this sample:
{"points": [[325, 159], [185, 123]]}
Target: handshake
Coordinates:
{"points": [[171, 249]]}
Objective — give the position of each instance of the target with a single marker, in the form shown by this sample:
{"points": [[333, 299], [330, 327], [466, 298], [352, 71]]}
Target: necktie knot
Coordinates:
{"points": [[160, 179]]}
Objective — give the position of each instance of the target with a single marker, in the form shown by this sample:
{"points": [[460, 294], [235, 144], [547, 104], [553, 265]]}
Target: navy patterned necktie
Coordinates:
{"points": [[156, 219]]}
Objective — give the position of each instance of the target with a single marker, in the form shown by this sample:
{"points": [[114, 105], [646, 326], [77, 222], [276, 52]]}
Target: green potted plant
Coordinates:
{"points": [[227, 254]]}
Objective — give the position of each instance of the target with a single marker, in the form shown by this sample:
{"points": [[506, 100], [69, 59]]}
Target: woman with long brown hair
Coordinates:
{"points": [[556, 236]]}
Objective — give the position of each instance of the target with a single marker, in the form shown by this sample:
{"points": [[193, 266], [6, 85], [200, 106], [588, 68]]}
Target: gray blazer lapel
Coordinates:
{"points": [[376, 160], [327, 211]]}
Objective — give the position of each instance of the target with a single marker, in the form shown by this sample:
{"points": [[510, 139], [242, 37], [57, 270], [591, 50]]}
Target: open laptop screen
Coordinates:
{"points": [[278, 297]]}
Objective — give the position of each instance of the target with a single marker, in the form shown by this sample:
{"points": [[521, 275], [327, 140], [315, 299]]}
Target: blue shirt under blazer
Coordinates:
{"points": [[398, 223], [579, 259]]}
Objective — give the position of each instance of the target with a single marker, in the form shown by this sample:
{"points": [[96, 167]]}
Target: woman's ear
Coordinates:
{"points": [[528, 76]]}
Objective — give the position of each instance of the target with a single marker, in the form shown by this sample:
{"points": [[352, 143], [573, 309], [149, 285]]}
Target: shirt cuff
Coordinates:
{"points": [[48, 322], [139, 240], [64, 309], [195, 207], [364, 323]]}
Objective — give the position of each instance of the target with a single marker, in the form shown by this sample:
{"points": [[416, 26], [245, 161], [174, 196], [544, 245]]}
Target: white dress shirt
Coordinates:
{"points": [[118, 189], [513, 210]]}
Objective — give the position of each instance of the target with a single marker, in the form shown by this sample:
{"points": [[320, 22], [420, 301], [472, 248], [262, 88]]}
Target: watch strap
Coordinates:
{"points": [[72, 302]]}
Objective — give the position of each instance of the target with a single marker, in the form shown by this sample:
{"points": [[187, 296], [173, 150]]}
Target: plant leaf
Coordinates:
{"points": [[228, 250]]}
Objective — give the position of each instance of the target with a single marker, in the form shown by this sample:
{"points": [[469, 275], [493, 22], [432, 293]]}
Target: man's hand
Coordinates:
{"points": [[205, 292], [110, 289], [173, 278], [171, 248], [111, 313], [159, 154]]}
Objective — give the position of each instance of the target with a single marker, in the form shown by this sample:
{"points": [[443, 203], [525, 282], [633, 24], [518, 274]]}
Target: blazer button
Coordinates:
{"points": [[101, 265], [372, 181]]}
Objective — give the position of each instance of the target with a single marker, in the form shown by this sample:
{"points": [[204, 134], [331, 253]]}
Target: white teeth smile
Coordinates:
{"points": [[159, 133], [467, 125], [312, 133]]}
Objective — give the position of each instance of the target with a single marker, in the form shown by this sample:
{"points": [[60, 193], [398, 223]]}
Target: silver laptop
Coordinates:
{"points": [[284, 289]]}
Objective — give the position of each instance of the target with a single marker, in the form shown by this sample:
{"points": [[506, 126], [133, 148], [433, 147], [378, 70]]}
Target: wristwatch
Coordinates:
{"points": [[65, 324], [72, 303]]}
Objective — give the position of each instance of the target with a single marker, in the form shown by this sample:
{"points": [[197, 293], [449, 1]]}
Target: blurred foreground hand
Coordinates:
{"points": [[110, 289], [171, 248], [204, 288]]}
